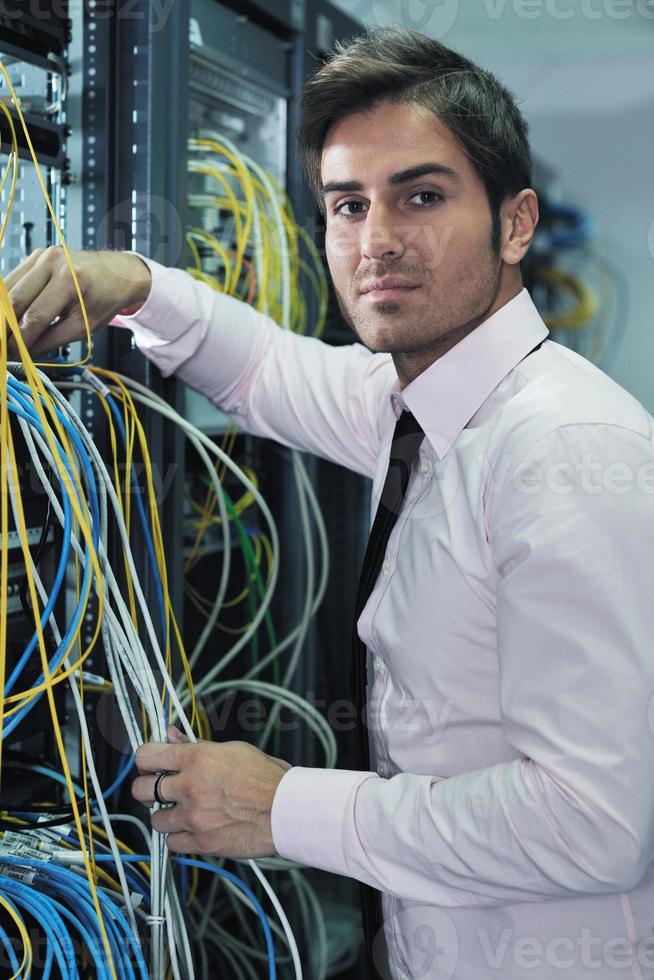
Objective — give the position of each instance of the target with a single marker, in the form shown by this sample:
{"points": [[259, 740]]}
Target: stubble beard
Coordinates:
{"points": [[453, 322]]}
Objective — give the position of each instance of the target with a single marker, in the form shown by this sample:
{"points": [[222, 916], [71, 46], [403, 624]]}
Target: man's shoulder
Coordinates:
{"points": [[557, 389]]}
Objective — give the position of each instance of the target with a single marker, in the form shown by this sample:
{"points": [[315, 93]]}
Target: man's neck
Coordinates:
{"points": [[410, 365]]}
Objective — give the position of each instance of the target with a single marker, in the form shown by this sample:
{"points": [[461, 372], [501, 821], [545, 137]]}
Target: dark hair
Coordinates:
{"points": [[389, 64]]}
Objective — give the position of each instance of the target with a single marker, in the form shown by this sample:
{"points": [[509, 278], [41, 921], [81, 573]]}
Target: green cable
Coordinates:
{"points": [[253, 573]]}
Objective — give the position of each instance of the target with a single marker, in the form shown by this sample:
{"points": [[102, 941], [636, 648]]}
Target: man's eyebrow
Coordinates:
{"points": [[401, 177]]}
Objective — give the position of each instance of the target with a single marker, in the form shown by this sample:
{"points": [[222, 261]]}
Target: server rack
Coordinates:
{"points": [[136, 79], [34, 55]]}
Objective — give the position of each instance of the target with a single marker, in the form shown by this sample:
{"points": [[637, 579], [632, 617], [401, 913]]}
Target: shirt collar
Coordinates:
{"points": [[448, 393]]}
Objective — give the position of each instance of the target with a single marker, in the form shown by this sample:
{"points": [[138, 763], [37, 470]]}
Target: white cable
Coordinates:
{"points": [[156, 898], [149, 693], [292, 945], [198, 438], [319, 934], [317, 722], [155, 712], [200, 447], [80, 711], [154, 642], [292, 666], [222, 587], [322, 586]]}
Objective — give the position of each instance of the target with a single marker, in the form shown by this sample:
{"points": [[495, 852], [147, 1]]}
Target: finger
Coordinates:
{"points": [[65, 331], [182, 843], [17, 274], [142, 790], [169, 821], [174, 735], [159, 757], [51, 301], [30, 284], [169, 789]]}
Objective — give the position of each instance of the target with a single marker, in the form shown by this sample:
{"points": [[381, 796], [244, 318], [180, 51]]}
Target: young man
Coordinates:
{"points": [[507, 816]]}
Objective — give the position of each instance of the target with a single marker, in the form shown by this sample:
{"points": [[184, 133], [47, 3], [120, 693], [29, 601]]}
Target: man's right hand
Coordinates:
{"points": [[42, 290]]}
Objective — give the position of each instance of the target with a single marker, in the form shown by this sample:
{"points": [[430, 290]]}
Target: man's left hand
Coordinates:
{"points": [[223, 794]]}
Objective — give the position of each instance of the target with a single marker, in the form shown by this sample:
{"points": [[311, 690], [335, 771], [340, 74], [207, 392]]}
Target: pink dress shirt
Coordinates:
{"points": [[510, 819]]}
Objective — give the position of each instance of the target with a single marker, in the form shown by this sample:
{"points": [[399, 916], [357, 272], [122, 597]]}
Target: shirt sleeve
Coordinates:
{"points": [[300, 391], [572, 538]]}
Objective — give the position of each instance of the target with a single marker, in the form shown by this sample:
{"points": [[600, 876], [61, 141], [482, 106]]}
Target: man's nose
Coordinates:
{"points": [[380, 236]]}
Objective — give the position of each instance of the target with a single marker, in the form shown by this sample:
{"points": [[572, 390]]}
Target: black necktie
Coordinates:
{"points": [[406, 439]]}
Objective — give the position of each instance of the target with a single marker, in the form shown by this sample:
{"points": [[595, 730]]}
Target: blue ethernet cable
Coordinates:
{"points": [[115, 411], [59, 655], [120, 424], [79, 922], [241, 885], [61, 880], [57, 777], [128, 765], [94, 944], [113, 912], [123, 773], [39, 907], [66, 883], [134, 881], [56, 587], [8, 945], [17, 389], [73, 626]]}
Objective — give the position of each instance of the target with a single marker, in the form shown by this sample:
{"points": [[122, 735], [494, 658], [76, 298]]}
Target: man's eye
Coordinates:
{"points": [[428, 194], [426, 199], [349, 204]]}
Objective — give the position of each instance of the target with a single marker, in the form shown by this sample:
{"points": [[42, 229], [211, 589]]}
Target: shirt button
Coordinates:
{"points": [[378, 664], [382, 769], [425, 469], [388, 566]]}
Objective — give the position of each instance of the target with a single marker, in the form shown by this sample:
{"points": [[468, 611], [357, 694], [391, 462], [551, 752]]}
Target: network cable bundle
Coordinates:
{"points": [[86, 888]]}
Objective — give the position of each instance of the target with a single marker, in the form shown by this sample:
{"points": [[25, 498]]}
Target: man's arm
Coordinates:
{"points": [[297, 390], [575, 618]]}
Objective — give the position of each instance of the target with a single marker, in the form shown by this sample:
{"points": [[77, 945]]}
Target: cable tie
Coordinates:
{"points": [[155, 920], [95, 382]]}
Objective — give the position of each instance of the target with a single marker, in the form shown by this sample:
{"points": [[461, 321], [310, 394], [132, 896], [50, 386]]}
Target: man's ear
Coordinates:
{"points": [[519, 220]]}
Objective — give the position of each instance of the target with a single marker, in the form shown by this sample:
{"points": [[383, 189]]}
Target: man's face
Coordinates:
{"points": [[431, 231]]}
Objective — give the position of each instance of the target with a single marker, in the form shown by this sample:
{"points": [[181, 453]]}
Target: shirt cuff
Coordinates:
{"points": [[312, 811], [148, 311], [171, 324]]}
